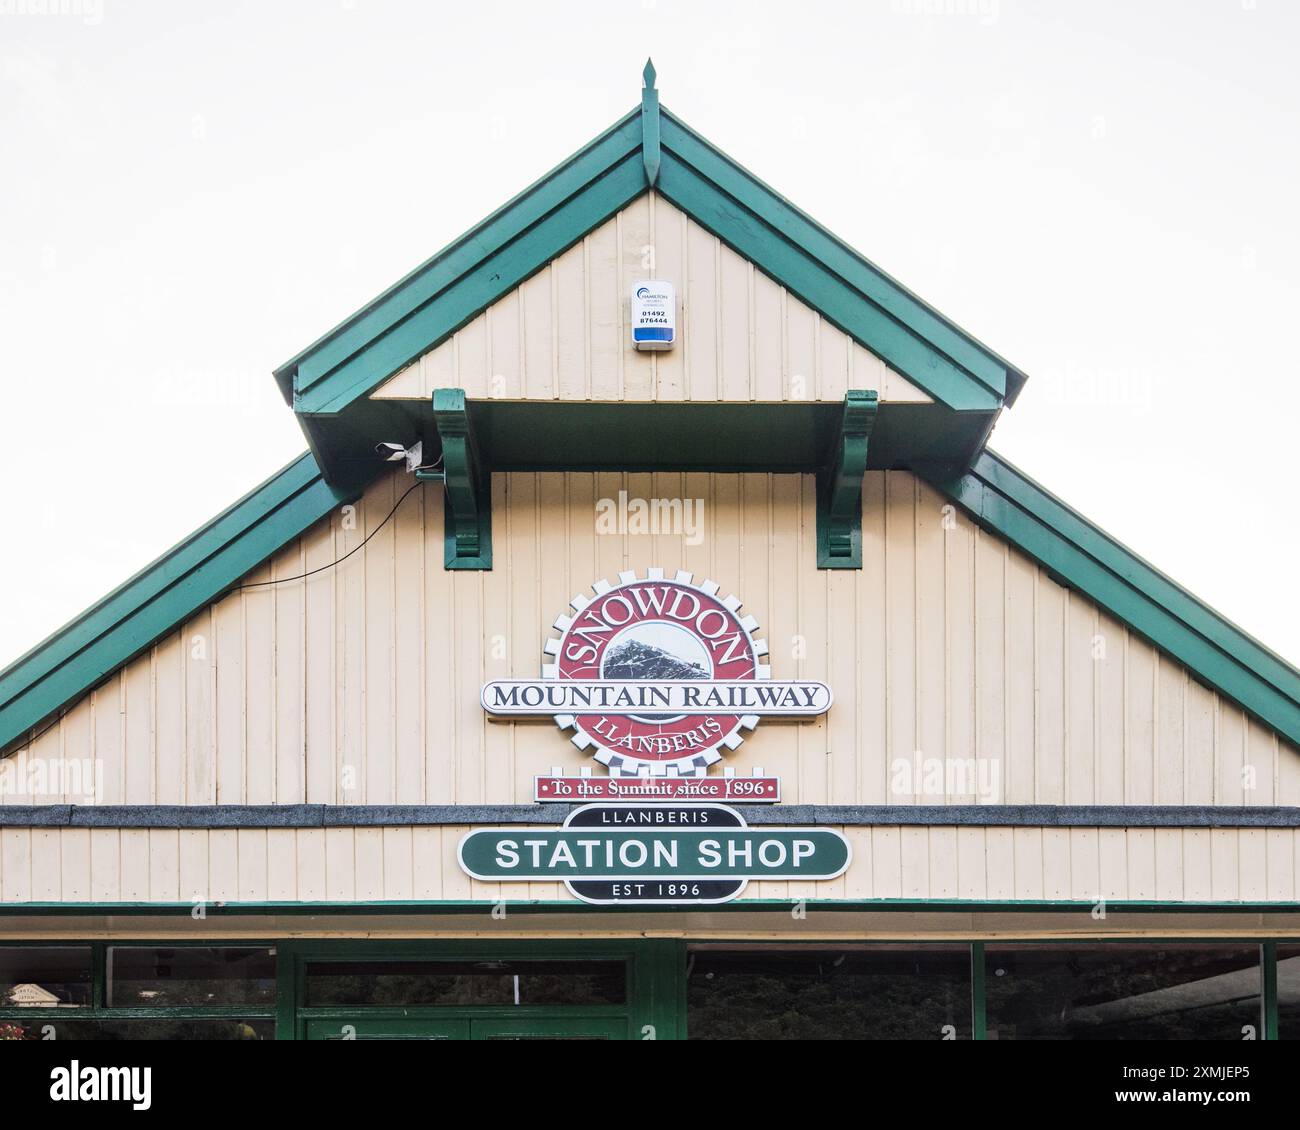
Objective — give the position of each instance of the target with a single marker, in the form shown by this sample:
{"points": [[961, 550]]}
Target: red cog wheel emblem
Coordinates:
{"points": [[653, 628]]}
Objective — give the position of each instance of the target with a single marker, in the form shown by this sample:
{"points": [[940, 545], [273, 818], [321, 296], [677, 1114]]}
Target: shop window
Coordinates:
{"points": [[44, 976], [1115, 991], [865, 992], [1288, 992], [143, 1029], [192, 976], [467, 983]]}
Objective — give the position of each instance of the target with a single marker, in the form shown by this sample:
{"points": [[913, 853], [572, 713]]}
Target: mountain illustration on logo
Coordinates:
{"points": [[646, 630], [634, 659]]}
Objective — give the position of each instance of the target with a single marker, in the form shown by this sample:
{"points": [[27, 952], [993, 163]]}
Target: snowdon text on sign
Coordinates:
{"points": [[771, 697]]}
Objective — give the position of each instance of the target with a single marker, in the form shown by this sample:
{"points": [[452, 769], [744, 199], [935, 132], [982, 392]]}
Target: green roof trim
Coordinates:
{"points": [[329, 391], [841, 260], [807, 277], [1081, 556], [648, 145], [361, 353], [162, 595]]}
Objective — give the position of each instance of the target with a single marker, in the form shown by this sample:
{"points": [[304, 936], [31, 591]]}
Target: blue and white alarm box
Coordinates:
{"points": [[654, 314]]}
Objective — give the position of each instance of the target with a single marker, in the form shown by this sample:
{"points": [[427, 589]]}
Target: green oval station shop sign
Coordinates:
{"points": [[654, 853]]}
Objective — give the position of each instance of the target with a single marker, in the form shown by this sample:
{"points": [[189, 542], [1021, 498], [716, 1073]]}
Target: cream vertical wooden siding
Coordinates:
{"points": [[400, 864], [360, 685], [563, 334]]}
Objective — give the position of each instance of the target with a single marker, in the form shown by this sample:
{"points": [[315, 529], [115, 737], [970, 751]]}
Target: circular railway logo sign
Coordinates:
{"points": [[652, 630], [656, 677]]}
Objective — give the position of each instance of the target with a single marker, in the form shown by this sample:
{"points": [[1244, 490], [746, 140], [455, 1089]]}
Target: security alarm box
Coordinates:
{"points": [[654, 315]]}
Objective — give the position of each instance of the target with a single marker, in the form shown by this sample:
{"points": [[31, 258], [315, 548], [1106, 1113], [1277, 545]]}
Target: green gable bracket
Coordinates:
{"points": [[467, 520], [839, 487], [650, 125]]}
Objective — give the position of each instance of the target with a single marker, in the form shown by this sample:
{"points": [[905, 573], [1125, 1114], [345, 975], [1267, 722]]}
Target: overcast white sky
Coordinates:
{"points": [[1103, 192]]}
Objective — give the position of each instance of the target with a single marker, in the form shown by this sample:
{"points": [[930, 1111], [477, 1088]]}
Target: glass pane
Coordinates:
{"points": [[1288, 992], [44, 976], [1109, 991], [452, 983], [137, 1030], [158, 977], [885, 992]]}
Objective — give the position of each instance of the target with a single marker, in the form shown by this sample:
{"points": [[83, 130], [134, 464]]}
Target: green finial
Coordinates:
{"points": [[650, 125]]}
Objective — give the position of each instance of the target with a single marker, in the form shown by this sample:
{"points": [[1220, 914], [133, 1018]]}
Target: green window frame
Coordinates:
{"points": [[1268, 1029], [98, 1008], [656, 1006]]}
